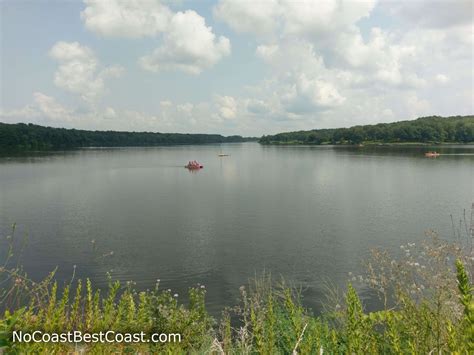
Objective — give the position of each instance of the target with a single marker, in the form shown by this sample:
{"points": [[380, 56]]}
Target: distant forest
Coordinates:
{"points": [[30, 137], [434, 129]]}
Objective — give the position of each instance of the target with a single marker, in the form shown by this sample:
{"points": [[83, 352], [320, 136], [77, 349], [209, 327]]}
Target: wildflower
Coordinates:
{"points": [[202, 286], [175, 295]]}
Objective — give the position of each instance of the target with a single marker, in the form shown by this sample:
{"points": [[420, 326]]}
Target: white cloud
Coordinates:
{"points": [[189, 45], [321, 93], [78, 71], [305, 17], [257, 107], [126, 18], [110, 113], [165, 103], [441, 78], [267, 52], [48, 106], [316, 17], [226, 106], [256, 17], [302, 82], [329, 29], [44, 107], [323, 66], [432, 14], [25, 113]]}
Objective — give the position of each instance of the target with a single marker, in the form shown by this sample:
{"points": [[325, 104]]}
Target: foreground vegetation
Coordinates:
{"points": [[434, 129], [426, 293], [30, 137]]}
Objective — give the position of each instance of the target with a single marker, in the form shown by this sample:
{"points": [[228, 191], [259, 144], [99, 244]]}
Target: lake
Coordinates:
{"points": [[307, 213]]}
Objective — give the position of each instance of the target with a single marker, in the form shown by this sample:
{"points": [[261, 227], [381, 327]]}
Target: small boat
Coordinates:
{"points": [[193, 165], [432, 154], [223, 155]]}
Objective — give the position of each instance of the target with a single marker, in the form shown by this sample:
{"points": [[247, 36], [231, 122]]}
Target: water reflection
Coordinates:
{"points": [[309, 214]]}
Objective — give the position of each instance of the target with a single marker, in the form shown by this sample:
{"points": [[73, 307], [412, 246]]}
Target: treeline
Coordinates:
{"points": [[434, 129], [30, 137]]}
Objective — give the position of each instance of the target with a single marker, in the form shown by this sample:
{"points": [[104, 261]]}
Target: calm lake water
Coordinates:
{"points": [[309, 214]]}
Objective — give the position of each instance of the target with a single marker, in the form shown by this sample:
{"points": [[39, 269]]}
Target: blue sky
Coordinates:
{"points": [[233, 67]]}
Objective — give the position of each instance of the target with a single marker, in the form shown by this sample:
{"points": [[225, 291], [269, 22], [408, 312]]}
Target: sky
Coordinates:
{"points": [[233, 66]]}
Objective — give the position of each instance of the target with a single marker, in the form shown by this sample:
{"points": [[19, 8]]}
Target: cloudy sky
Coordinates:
{"points": [[233, 66]]}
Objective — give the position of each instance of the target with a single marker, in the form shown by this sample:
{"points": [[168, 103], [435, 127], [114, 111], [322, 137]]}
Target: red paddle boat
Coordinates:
{"points": [[193, 165]]}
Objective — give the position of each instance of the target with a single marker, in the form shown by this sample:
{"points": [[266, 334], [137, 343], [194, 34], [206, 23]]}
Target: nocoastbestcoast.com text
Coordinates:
{"points": [[78, 336]]}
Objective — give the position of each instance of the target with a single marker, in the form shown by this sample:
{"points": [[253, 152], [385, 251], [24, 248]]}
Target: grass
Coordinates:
{"points": [[426, 291]]}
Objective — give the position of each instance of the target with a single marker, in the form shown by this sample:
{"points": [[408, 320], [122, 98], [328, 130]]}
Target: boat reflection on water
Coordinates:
{"points": [[432, 154]]}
